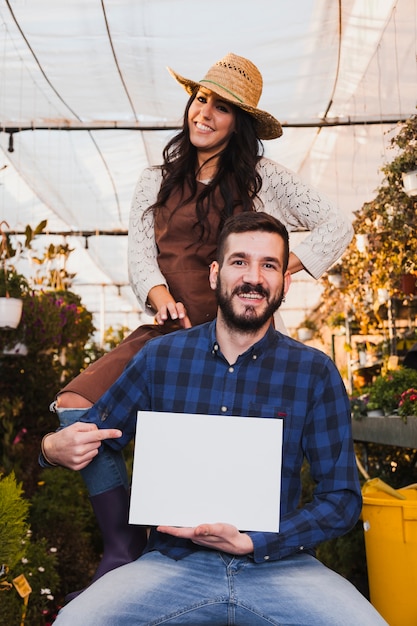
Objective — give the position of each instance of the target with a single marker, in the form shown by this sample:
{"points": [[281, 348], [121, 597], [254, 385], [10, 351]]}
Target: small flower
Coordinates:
{"points": [[24, 560], [407, 404], [41, 569], [53, 550], [45, 591]]}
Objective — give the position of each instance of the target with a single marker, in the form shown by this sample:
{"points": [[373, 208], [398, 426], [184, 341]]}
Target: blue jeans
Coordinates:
{"points": [[209, 587], [108, 469]]}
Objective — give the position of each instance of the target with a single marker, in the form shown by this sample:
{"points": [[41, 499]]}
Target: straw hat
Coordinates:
{"points": [[238, 81]]}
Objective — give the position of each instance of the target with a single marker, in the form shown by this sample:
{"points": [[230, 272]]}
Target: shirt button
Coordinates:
{"points": [[301, 548], [104, 415], [223, 409], [231, 370], [266, 558], [254, 357]]}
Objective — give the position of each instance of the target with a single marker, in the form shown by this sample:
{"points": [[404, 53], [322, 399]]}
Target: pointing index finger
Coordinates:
{"points": [[108, 433]]}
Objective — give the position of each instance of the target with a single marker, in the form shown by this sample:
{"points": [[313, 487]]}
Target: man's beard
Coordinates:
{"points": [[249, 320]]}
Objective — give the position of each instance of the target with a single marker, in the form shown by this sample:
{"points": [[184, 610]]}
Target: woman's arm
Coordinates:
{"points": [[144, 272], [300, 206], [146, 279]]}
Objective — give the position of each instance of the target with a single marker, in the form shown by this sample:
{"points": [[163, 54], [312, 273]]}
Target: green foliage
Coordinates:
{"points": [[39, 567], [22, 406], [390, 226], [386, 389], [12, 284], [10, 408], [13, 526], [51, 320], [114, 335], [64, 549], [20, 555], [61, 513], [359, 406], [395, 465]]}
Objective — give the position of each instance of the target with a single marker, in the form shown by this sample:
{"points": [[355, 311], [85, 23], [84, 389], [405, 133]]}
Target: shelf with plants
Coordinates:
{"points": [[378, 265]]}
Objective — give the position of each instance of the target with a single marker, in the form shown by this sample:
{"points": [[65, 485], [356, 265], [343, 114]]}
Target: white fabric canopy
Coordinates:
{"points": [[81, 81]]}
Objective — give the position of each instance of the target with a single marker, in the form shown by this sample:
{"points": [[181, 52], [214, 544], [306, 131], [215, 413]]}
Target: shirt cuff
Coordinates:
{"points": [[43, 462]]}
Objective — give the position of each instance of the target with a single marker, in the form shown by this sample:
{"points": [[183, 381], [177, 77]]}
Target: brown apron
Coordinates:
{"points": [[185, 264]]}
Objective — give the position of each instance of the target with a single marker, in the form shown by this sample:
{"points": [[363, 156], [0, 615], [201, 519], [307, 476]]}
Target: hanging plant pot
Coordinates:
{"points": [[410, 183], [305, 334], [10, 312]]}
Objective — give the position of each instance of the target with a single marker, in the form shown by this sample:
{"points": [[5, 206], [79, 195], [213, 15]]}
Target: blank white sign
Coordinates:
{"points": [[194, 469]]}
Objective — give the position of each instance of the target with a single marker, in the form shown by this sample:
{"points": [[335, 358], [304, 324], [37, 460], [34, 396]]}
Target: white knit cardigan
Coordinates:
{"points": [[283, 194]]}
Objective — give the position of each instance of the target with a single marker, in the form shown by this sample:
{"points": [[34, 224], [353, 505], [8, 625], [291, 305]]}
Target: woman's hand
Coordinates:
{"points": [[294, 264], [166, 308]]}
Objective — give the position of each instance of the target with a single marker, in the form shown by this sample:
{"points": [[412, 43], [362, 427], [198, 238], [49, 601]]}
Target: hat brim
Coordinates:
{"points": [[267, 126]]}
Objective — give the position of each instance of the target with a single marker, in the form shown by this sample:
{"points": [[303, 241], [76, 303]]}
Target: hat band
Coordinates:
{"points": [[224, 89]]}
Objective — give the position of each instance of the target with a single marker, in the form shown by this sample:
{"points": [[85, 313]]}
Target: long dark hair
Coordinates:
{"points": [[237, 179]]}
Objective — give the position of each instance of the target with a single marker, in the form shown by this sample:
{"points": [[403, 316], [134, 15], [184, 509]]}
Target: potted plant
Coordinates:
{"points": [[306, 330], [12, 284], [373, 408], [358, 404], [407, 404], [51, 321], [387, 389]]}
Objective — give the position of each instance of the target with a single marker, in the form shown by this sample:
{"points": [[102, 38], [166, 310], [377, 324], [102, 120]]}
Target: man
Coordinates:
{"points": [[236, 365]]}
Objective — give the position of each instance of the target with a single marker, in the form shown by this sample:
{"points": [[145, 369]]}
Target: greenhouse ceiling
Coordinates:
{"points": [[86, 102]]}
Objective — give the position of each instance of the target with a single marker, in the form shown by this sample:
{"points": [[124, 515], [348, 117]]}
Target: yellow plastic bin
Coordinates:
{"points": [[390, 527]]}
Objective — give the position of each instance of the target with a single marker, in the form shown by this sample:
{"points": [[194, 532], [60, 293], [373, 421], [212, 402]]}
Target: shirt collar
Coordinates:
{"points": [[269, 339]]}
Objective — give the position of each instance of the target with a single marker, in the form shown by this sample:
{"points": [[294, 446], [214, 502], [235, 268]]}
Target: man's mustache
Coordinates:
{"points": [[248, 288]]}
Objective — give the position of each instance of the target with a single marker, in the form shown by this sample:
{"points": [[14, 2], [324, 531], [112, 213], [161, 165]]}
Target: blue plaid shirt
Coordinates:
{"points": [[186, 372]]}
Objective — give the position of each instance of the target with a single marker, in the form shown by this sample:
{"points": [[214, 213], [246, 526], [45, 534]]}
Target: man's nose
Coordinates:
{"points": [[253, 274]]}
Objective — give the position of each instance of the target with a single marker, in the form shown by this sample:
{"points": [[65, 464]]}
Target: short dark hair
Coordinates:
{"points": [[252, 221]]}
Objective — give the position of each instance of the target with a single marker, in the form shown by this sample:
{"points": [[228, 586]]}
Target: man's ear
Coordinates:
{"points": [[214, 272], [287, 281]]}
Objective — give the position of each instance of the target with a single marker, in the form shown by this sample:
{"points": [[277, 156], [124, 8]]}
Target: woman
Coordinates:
{"points": [[212, 168]]}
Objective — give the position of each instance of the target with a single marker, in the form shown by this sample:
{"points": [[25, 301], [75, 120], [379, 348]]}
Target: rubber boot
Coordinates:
{"points": [[122, 542]]}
